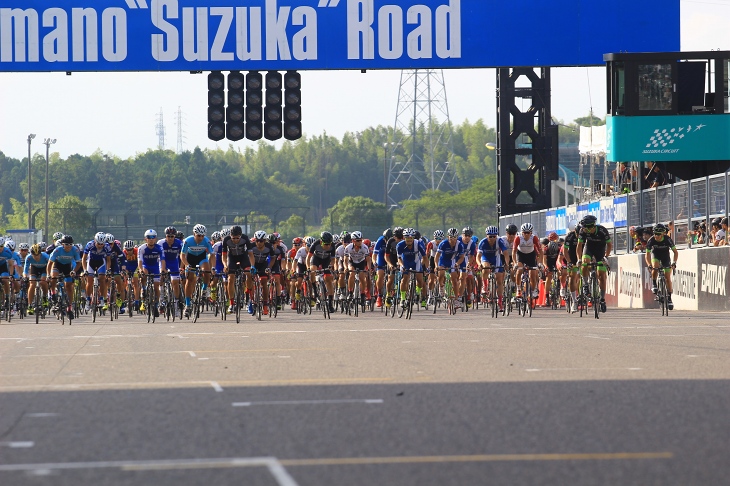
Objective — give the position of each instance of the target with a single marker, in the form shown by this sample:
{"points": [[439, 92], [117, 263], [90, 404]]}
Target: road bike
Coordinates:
{"points": [[662, 295]]}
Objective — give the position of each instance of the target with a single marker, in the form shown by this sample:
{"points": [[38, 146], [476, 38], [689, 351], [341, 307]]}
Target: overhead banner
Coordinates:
{"points": [[200, 35], [668, 138]]}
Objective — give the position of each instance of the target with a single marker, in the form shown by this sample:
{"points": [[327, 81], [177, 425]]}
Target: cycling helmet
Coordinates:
{"points": [[2, 241], [171, 230], [99, 237], [526, 228], [23, 246], [236, 231], [215, 236], [67, 240], [511, 229], [57, 235], [309, 240], [588, 221], [43, 244], [344, 235], [366, 242], [150, 233], [180, 235], [418, 235], [10, 245], [409, 233], [335, 238], [491, 230], [544, 241], [199, 229], [356, 235], [276, 233], [572, 225], [272, 238], [347, 239], [388, 234], [452, 232], [398, 232], [129, 245], [35, 249], [79, 247], [438, 235], [226, 232], [109, 238], [296, 241], [553, 236], [467, 231], [326, 237], [660, 229], [259, 235]]}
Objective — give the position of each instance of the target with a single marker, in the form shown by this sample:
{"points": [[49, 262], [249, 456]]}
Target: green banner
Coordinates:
{"points": [[672, 138]]}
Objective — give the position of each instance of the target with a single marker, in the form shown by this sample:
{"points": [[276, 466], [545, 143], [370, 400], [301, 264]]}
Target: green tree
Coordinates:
{"points": [[356, 213]]}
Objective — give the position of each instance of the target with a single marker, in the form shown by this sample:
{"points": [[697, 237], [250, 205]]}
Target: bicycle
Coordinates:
{"points": [[554, 291], [238, 292], [62, 302], [167, 297], [150, 302], [525, 303], [95, 296], [130, 300], [5, 300], [113, 307], [221, 300], [323, 299], [662, 295], [492, 297], [407, 306], [449, 296], [508, 292], [21, 299], [395, 297], [39, 309], [272, 305], [593, 295], [257, 298]]}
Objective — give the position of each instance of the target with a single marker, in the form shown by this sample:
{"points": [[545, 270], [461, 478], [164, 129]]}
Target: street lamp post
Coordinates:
{"points": [[48, 142], [30, 217], [493, 146], [385, 173]]}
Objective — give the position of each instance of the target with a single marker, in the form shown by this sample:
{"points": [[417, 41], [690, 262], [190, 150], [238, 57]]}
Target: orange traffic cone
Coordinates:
{"points": [[542, 297]]}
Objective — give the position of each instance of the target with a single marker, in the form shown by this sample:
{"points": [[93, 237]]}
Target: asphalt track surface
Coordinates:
{"points": [[629, 399]]}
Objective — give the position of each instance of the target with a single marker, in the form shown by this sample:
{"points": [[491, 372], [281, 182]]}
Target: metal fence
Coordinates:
{"points": [[686, 204]]}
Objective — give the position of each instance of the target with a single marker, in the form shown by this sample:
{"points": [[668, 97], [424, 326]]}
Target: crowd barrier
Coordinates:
{"points": [[700, 281]]}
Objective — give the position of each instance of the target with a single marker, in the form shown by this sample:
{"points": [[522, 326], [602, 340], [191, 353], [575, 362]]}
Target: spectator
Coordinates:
{"points": [[716, 232], [698, 235], [640, 246], [655, 177], [622, 181], [723, 230], [696, 209]]}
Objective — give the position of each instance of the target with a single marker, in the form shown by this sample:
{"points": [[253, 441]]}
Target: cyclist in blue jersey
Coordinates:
{"points": [[172, 247], [194, 253], [18, 265], [151, 261], [378, 260], [35, 270], [97, 258], [7, 265], [468, 264], [492, 252], [412, 256], [116, 247], [130, 264], [65, 262], [449, 255]]}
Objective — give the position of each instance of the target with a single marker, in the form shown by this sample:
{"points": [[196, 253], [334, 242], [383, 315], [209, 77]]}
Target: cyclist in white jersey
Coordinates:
{"points": [[526, 251], [356, 260]]}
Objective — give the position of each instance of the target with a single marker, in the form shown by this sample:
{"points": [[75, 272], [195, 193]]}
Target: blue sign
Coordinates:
{"points": [[620, 213], [199, 35], [668, 138]]}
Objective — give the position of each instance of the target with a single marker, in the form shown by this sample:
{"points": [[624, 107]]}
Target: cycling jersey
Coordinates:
{"points": [[243, 247], [36, 268], [96, 257], [379, 251], [660, 249], [18, 264], [191, 247], [262, 255], [595, 243], [301, 255], [470, 250], [528, 245], [492, 254], [130, 264], [571, 246], [171, 254], [217, 251], [63, 257], [449, 255], [356, 255], [278, 256], [320, 252], [149, 257], [391, 253], [411, 255]]}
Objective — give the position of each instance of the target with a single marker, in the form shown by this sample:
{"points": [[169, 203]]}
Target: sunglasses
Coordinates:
{"points": [[169, 236], [149, 237], [237, 237], [491, 236], [356, 240]]}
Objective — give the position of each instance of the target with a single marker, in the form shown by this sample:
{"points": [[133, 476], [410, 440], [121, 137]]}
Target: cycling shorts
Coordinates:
{"points": [[529, 259]]}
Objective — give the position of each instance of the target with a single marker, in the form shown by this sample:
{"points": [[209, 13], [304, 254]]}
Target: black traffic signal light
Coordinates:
{"points": [[292, 105], [254, 105], [272, 110], [235, 113], [216, 106]]}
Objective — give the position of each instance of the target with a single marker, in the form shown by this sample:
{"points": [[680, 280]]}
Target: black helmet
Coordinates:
{"points": [[170, 230], [588, 221], [511, 229], [236, 230], [346, 238], [326, 237], [544, 241], [67, 240], [467, 231], [180, 235], [660, 229], [388, 234], [398, 232], [418, 235], [273, 238]]}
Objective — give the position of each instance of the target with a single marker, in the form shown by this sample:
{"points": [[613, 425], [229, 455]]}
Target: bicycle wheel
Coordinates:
{"points": [[662, 293], [493, 298], [595, 295], [411, 296]]}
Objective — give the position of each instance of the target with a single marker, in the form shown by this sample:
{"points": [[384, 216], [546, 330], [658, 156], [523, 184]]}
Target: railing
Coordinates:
{"points": [[685, 204]]}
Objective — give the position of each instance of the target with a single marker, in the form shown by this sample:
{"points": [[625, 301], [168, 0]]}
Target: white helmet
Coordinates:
{"points": [[309, 240], [57, 235], [129, 245], [526, 228], [150, 233], [109, 238], [100, 237], [452, 232], [356, 235], [10, 244], [260, 236], [225, 232], [216, 236], [24, 246], [199, 229], [2, 241], [572, 225], [409, 233]]}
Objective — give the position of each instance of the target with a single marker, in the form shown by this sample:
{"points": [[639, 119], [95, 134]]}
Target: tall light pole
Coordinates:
{"points": [[30, 211], [493, 146], [385, 173], [48, 142]]}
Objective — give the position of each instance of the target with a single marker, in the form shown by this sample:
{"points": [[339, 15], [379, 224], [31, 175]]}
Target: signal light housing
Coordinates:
{"points": [[216, 106], [254, 105], [235, 113], [272, 111], [292, 105]]}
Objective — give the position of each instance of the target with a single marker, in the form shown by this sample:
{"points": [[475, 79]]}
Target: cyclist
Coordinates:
{"points": [[449, 255], [492, 252], [151, 258], [264, 258], [171, 249], [550, 256], [356, 260], [300, 259], [569, 252], [35, 270], [321, 256], [391, 260], [279, 257], [129, 262], [236, 252], [65, 260], [431, 248], [340, 263], [412, 256], [526, 252], [594, 242], [97, 258], [657, 256], [469, 262], [378, 261], [194, 253], [294, 270], [18, 265]]}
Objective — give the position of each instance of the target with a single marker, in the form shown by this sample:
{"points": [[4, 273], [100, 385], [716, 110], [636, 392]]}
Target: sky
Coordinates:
{"points": [[117, 113]]}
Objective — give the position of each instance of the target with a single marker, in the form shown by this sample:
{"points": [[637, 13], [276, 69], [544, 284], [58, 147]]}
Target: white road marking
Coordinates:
{"points": [[41, 414], [309, 402], [598, 337], [192, 354], [18, 444], [216, 386], [581, 369]]}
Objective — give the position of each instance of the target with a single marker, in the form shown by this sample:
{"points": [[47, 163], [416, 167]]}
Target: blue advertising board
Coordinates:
{"points": [[199, 35], [668, 138]]}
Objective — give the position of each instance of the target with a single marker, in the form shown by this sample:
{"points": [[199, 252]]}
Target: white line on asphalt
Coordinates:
{"points": [[598, 337], [309, 402], [582, 369], [192, 354], [41, 414], [18, 444], [216, 386]]}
